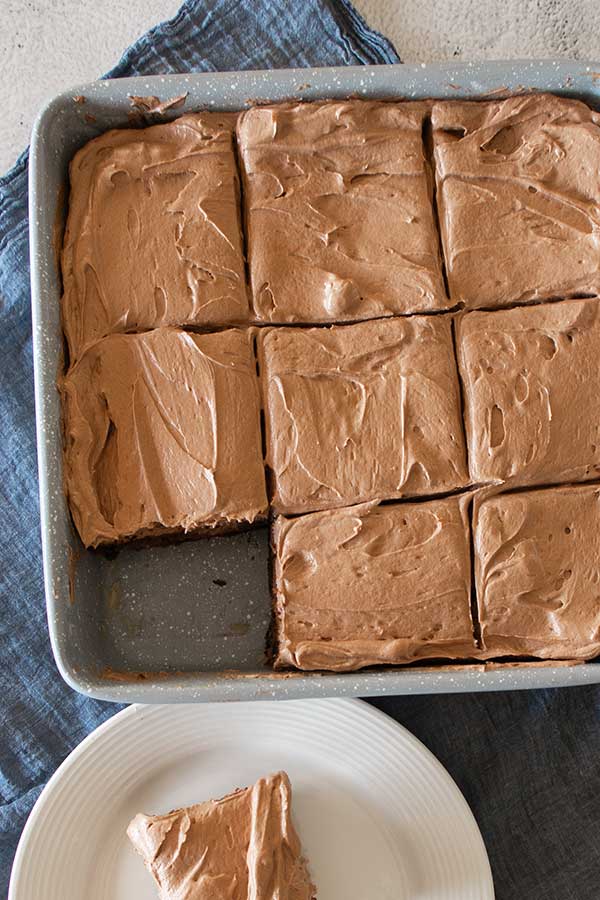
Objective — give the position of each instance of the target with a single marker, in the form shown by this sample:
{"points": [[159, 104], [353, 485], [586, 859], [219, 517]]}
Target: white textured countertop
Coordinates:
{"points": [[47, 45]]}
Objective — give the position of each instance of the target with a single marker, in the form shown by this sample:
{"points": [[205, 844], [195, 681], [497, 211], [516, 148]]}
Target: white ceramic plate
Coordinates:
{"points": [[379, 817]]}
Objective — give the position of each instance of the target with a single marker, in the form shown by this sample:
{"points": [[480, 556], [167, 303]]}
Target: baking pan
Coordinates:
{"points": [[188, 622]]}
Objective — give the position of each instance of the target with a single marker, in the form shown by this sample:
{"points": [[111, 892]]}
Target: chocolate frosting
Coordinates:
{"points": [[339, 211], [153, 235], [163, 434], [537, 573], [242, 847], [361, 412], [374, 584], [519, 198], [532, 392]]}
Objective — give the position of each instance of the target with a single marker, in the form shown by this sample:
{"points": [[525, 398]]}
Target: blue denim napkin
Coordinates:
{"points": [[528, 763]]}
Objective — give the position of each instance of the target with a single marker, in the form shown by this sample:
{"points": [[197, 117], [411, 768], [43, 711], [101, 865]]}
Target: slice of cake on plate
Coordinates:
{"points": [[241, 847]]}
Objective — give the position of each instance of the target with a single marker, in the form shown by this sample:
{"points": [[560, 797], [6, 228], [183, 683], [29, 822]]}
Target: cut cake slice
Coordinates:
{"points": [[241, 847]]}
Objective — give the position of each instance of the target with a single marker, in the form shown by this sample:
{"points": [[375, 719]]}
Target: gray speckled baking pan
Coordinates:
{"points": [[187, 622]]}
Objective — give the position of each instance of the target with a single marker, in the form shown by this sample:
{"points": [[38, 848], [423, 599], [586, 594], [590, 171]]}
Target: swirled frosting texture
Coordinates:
{"points": [[339, 211], [538, 573], [519, 198], [153, 234], [242, 847], [532, 392], [373, 584], [162, 435], [361, 412]]}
